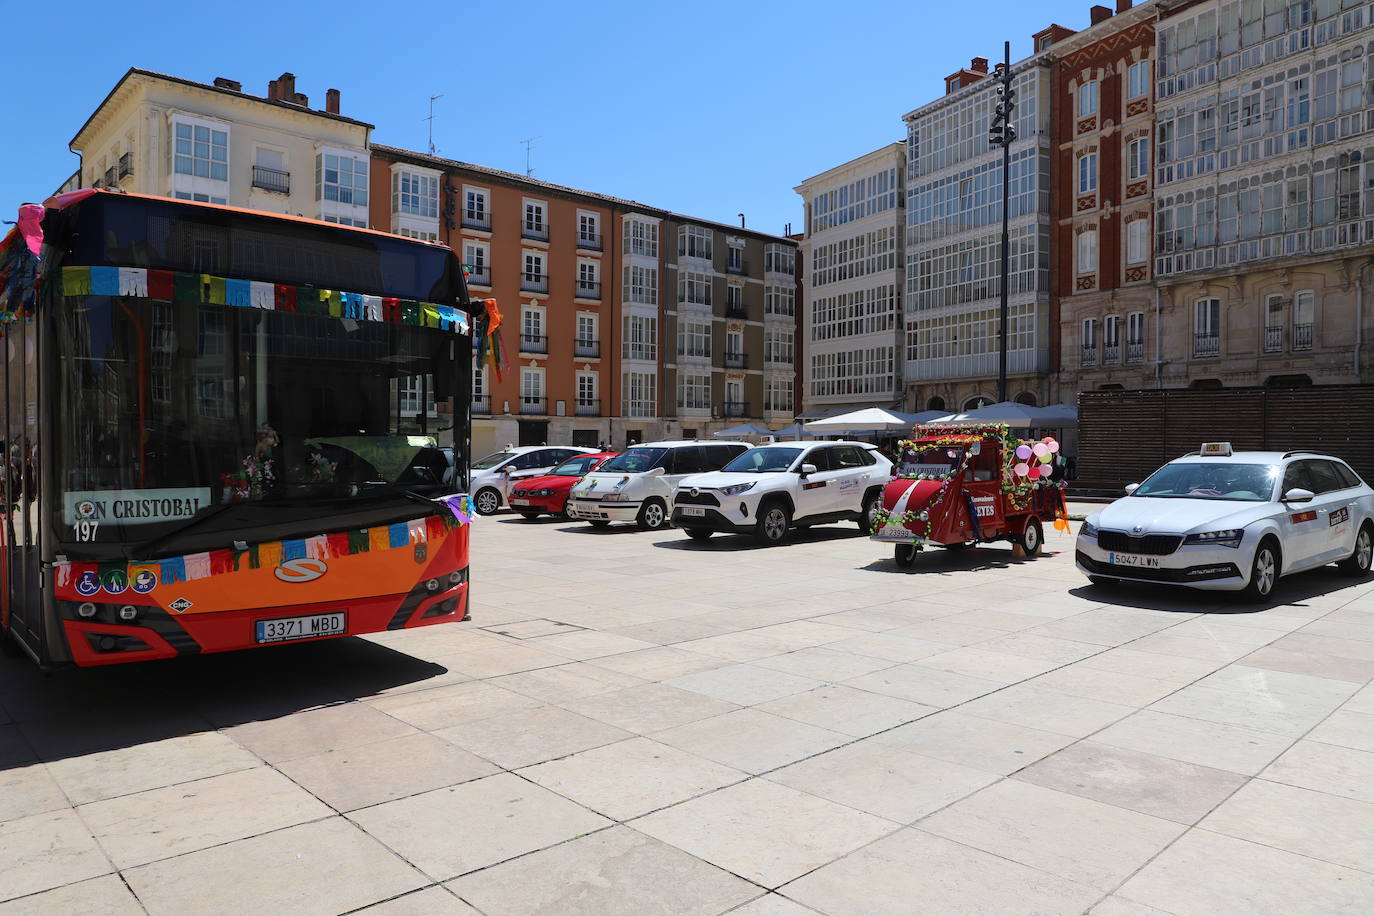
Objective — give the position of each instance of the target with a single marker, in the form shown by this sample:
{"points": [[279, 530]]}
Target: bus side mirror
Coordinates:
{"points": [[1131, 488], [807, 470]]}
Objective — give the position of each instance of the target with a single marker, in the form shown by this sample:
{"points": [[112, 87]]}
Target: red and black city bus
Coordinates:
{"points": [[225, 429]]}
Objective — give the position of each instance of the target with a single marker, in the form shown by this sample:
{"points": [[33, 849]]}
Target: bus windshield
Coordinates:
{"points": [[172, 409]]}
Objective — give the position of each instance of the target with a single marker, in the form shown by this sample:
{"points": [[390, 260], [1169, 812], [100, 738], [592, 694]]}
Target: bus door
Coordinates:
{"points": [[20, 600]]}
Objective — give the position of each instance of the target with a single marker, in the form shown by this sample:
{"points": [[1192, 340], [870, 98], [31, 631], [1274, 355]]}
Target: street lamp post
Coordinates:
{"points": [[1002, 133]]}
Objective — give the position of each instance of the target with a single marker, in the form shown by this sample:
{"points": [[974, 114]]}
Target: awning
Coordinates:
{"points": [[744, 430], [869, 419]]}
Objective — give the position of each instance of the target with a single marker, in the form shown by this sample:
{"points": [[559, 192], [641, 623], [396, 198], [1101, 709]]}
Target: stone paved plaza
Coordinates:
{"points": [[634, 723]]}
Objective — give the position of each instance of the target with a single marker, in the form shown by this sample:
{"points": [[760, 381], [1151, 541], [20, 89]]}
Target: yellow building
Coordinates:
{"points": [[160, 134]]}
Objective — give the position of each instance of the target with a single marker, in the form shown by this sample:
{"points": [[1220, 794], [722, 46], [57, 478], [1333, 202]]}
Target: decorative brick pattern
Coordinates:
{"points": [[1085, 283], [1137, 189], [1087, 202]]}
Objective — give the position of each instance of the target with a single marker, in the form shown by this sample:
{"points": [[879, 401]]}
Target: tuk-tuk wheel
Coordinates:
{"points": [[1031, 538], [904, 555]]}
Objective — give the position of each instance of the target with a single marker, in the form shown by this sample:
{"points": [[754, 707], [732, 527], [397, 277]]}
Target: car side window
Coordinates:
{"points": [[718, 456], [1325, 477], [1348, 477], [820, 457], [688, 460], [1297, 476], [846, 457]]}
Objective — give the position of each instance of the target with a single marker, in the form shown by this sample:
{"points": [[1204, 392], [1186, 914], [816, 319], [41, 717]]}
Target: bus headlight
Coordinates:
{"points": [[432, 585]]}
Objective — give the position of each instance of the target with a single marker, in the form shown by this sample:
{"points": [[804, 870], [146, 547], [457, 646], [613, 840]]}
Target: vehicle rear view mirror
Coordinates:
{"points": [[1131, 488], [1298, 495], [807, 469], [654, 472]]}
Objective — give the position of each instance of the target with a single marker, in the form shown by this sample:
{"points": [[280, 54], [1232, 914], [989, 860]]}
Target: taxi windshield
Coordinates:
{"points": [[763, 460], [1211, 480], [635, 461]]}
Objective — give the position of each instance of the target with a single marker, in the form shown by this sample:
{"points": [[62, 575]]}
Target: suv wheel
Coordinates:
{"points": [[771, 528], [653, 514], [699, 534], [487, 501], [868, 512]]}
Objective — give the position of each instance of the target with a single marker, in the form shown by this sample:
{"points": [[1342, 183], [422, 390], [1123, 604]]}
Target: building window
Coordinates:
{"points": [[212, 199], [588, 230], [532, 339], [1089, 342], [777, 347], [1111, 339], [535, 227], [1135, 336], [779, 259], [694, 339], [201, 151], [587, 402], [639, 397], [479, 388], [777, 395], [694, 288], [1304, 314], [641, 338], [641, 285], [1087, 252], [693, 391], [532, 391], [412, 391], [534, 280], [735, 261], [1273, 324], [476, 256], [588, 342], [341, 178], [779, 300], [734, 299], [475, 214], [588, 279], [1207, 327], [1087, 99], [1138, 158], [415, 194], [641, 237], [1137, 241], [1087, 173], [694, 242], [1138, 79]]}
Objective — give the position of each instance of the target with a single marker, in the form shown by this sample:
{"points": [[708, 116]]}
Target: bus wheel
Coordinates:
{"points": [[1032, 538], [487, 501], [905, 555]]}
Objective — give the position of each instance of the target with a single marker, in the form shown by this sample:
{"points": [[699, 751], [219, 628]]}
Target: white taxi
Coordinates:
{"points": [[1225, 520], [637, 485]]}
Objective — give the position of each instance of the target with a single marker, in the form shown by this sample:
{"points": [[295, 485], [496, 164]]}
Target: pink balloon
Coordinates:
{"points": [[1022, 469], [1052, 445], [1023, 452], [1034, 472], [1040, 449]]}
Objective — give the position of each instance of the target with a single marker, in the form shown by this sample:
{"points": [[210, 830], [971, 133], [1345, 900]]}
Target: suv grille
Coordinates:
{"points": [[1153, 544], [685, 498]]}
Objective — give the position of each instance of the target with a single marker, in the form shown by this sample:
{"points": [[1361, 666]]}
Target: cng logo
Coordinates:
{"points": [[301, 569]]}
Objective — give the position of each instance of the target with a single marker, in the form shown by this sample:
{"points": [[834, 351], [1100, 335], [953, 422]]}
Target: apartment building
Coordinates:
{"points": [[1264, 193], [853, 325], [953, 240], [213, 142], [1103, 129]]}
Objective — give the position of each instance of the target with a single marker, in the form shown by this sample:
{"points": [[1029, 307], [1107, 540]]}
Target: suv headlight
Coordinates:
{"points": [[736, 489], [1227, 537], [1088, 530]]}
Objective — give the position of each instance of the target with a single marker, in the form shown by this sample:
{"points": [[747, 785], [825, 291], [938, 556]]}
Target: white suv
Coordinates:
{"points": [[772, 488], [492, 476], [637, 485]]}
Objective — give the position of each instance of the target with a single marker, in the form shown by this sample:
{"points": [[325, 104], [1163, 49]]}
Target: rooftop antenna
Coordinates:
{"points": [[529, 145], [430, 119]]}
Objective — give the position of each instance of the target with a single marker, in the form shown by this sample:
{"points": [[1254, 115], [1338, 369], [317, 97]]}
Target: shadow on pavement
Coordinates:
{"points": [[77, 711], [796, 537], [1291, 591], [942, 560]]}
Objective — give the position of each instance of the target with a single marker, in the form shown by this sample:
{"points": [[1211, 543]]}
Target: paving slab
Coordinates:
{"points": [[984, 744], [1342, 771], [45, 851], [104, 896], [1283, 817], [107, 774], [531, 736], [751, 740]]}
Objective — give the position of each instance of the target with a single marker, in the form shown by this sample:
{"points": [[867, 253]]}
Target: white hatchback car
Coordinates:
{"points": [[492, 476], [637, 485], [770, 489], [1232, 521]]}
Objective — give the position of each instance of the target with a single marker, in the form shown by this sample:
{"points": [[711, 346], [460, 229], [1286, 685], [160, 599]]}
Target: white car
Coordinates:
{"points": [[492, 476], [637, 485], [770, 489], [1232, 521]]}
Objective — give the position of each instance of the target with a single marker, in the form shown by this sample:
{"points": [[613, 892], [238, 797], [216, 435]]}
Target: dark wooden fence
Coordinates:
{"points": [[1123, 436]]}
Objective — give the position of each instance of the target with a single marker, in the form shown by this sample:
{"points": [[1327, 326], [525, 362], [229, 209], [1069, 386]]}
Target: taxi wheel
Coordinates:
{"points": [[904, 555], [868, 513], [1032, 538], [597, 522], [653, 515], [1264, 571], [699, 534], [1357, 564], [771, 528], [529, 516], [487, 501]]}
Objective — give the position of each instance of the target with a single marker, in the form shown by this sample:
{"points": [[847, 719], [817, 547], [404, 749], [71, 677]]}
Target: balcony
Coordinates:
{"points": [[588, 289], [587, 349], [533, 404], [476, 219], [1273, 340], [111, 177], [126, 165], [537, 231], [477, 277], [1302, 336], [1206, 345], [777, 407], [643, 352], [1135, 351], [736, 267], [734, 409], [534, 283], [588, 407], [777, 358], [274, 180], [736, 310], [1111, 353], [481, 405], [735, 360], [1089, 356], [534, 343], [589, 241]]}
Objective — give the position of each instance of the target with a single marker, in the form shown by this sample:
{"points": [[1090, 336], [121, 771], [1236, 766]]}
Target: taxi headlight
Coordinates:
{"points": [[1088, 530], [737, 489], [544, 492], [612, 497], [1227, 537]]}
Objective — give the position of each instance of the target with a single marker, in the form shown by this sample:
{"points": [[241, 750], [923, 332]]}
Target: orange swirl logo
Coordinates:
{"points": [[302, 569]]}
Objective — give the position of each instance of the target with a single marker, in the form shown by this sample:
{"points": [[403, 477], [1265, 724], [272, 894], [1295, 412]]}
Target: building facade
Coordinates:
{"points": [[953, 242], [213, 142], [1264, 192], [1102, 206], [852, 317]]}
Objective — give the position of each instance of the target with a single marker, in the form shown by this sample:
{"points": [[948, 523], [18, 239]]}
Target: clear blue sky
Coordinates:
{"points": [[709, 108]]}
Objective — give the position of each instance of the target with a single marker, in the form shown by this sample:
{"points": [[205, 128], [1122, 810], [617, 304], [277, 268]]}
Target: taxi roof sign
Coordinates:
{"points": [[1216, 450]]}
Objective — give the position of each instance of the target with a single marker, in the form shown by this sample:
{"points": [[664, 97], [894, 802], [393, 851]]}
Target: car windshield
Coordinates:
{"points": [[1211, 480], [492, 461], [763, 460], [635, 460], [575, 467]]}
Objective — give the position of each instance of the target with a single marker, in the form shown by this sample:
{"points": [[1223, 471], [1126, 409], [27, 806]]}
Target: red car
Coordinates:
{"points": [[549, 494]]}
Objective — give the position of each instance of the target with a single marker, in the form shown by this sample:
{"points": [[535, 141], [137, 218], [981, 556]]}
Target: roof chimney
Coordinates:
{"points": [[300, 98], [1098, 14], [1123, 5], [979, 64], [226, 83], [286, 87], [331, 101], [273, 90]]}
